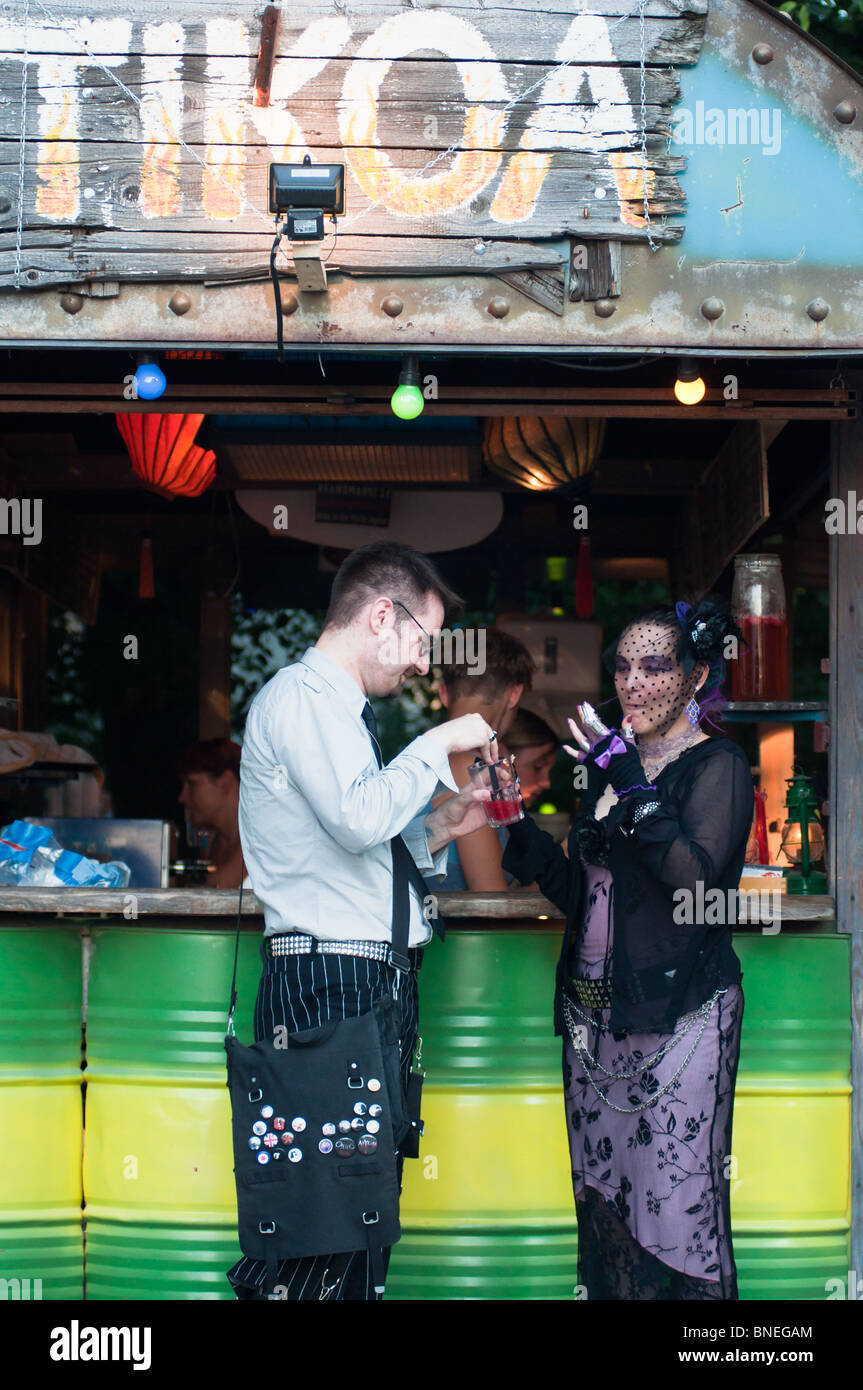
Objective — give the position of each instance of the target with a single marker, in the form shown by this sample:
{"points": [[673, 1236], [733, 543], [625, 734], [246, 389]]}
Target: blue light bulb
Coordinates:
{"points": [[149, 381]]}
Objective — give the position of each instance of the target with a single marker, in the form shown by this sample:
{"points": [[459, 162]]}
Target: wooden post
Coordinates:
{"points": [[33, 610], [846, 764], [215, 668], [8, 622]]}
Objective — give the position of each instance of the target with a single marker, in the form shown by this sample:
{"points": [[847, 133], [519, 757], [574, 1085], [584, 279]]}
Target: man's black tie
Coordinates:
{"points": [[405, 871]]}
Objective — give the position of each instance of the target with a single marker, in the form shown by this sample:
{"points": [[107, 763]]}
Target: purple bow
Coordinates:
{"points": [[682, 609], [617, 745]]}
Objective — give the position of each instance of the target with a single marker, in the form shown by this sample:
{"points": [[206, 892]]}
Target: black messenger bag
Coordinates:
{"points": [[317, 1117], [310, 1179]]}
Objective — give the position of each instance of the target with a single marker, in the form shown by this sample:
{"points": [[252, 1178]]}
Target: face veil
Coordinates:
{"points": [[651, 683]]}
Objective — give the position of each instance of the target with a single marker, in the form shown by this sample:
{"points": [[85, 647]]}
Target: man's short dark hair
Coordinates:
{"points": [[386, 568], [211, 755], [507, 662]]}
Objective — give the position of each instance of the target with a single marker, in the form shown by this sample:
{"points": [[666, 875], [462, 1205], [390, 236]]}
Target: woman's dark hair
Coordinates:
{"points": [[702, 629], [386, 568], [528, 730]]}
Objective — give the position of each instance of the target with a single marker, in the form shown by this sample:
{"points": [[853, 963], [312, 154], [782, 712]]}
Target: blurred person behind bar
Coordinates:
{"points": [[210, 776], [535, 747], [492, 690]]}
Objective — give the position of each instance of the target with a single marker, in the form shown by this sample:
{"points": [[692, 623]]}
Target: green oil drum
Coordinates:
{"points": [[791, 1181], [487, 1209], [41, 1115], [158, 1166]]}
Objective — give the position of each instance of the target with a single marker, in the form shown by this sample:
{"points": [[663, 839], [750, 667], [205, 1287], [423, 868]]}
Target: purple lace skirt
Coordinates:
{"points": [[651, 1181]]}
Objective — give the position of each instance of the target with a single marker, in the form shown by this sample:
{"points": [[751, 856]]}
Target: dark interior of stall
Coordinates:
{"points": [[85, 657]]}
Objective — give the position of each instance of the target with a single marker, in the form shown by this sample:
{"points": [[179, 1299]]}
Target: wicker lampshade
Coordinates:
{"points": [[540, 452], [164, 454]]}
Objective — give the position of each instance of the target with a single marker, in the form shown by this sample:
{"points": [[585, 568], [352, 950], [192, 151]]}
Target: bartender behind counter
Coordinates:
{"points": [[210, 774]]}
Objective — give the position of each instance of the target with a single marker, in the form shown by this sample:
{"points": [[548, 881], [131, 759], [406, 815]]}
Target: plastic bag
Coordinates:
{"points": [[31, 856]]}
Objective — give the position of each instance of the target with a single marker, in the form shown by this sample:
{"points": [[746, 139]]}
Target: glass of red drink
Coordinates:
{"points": [[505, 806]]}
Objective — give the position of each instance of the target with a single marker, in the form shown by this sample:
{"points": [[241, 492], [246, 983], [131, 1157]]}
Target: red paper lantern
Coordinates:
{"points": [[164, 454]]}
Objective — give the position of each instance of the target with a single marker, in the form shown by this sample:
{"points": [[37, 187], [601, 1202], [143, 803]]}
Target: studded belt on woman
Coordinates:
{"points": [[649, 1000], [332, 840]]}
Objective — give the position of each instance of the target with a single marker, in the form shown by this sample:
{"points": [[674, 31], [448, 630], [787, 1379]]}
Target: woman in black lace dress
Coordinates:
{"points": [[649, 999]]}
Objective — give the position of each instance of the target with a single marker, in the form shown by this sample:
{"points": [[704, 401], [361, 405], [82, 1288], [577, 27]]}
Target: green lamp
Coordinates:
{"points": [[407, 400], [802, 837]]}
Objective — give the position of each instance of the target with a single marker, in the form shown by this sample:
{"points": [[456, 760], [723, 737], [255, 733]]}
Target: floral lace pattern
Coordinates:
{"points": [[651, 1189]]}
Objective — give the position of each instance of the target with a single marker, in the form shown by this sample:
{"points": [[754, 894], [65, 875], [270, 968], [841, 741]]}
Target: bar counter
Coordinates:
{"points": [[135, 903], [487, 1209]]}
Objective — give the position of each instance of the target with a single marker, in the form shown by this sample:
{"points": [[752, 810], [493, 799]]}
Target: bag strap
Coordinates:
{"points": [[230, 1032], [401, 914]]}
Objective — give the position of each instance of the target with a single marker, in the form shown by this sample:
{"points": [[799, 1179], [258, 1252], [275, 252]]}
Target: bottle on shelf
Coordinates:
{"points": [[758, 603]]}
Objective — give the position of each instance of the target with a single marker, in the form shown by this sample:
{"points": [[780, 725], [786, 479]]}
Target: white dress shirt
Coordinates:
{"points": [[317, 814]]}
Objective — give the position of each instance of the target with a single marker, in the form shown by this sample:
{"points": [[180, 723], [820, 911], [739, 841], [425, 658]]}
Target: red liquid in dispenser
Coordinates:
{"points": [[761, 669]]}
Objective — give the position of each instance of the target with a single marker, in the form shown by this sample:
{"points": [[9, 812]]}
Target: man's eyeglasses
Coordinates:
{"points": [[427, 639]]}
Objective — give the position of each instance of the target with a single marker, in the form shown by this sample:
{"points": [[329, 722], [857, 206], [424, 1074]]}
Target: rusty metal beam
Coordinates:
{"points": [[266, 55]]}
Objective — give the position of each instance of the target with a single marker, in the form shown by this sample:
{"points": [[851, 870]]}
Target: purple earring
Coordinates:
{"points": [[693, 713]]}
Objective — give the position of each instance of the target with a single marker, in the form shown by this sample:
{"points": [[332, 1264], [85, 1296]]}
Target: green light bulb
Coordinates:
{"points": [[548, 808], [407, 402]]}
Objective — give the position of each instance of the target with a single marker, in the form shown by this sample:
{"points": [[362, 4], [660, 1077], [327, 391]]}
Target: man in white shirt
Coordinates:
{"points": [[321, 825]]}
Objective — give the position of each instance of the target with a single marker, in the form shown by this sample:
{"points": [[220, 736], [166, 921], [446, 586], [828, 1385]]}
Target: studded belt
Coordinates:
{"points": [[591, 994], [298, 944]]}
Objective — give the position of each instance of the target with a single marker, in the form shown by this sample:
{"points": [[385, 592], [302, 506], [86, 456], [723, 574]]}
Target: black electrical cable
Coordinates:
{"points": [[589, 367], [278, 297]]}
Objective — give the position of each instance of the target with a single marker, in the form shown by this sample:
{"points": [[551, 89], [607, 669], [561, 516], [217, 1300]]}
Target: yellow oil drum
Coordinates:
{"points": [[158, 1165], [41, 1113], [487, 1209]]}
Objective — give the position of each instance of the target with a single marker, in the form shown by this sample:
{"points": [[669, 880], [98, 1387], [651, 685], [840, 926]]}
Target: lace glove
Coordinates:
{"points": [[621, 764]]}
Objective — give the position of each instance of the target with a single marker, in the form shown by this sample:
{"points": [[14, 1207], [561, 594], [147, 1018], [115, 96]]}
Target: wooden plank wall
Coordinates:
{"points": [[846, 768], [165, 177]]}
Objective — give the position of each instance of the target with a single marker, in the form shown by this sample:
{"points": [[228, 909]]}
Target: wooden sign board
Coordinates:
{"points": [[145, 155]]}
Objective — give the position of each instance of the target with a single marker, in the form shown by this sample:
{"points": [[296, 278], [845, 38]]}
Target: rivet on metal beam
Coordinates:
{"points": [[845, 112], [818, 309], [498, 308], [5, 206], [604, 308], [393, 306], [180, 302], [71, 303], [290, 303], [713, 309], [762, 53]]}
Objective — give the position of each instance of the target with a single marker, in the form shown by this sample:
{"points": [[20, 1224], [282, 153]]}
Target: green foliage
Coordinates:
{"points": [[838, 26], [262, 642], [69, 714]]}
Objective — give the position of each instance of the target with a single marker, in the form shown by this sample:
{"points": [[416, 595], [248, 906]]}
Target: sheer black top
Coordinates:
{"points": [[660, 968]]}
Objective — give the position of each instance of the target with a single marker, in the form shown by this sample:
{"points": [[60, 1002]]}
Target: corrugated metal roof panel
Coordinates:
{"points": [[354, 462]]}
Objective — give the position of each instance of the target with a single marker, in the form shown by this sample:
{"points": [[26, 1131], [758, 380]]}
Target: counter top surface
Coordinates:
{"points": [[133, 904]]}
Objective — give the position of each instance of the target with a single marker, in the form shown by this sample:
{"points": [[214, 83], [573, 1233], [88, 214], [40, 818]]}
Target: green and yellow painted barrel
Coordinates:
{"points": [[791, 1189], [487, 1209], [41, 1117], [158, 1166]]}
